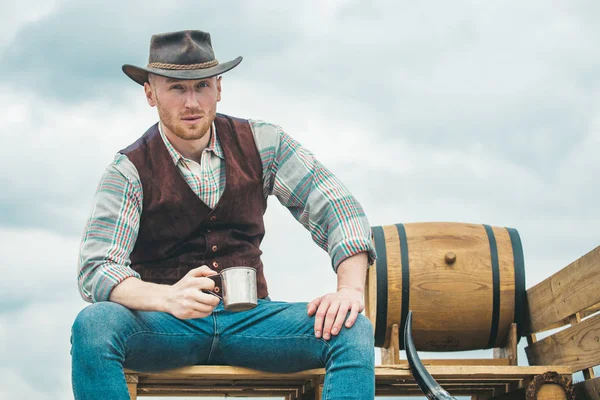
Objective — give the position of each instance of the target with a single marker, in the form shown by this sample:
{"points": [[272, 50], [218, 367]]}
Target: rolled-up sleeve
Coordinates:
{"points": [[313, 194], [111, 232]]}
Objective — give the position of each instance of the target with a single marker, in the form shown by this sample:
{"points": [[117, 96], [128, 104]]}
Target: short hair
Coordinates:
{"points": [[150, 78]]}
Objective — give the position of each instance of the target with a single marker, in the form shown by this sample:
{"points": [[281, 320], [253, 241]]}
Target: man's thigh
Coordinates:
{"points": [[275, 336], [142, 340]]}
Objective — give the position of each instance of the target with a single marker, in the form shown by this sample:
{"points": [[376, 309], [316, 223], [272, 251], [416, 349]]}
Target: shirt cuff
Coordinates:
{"points": [[349, 247], [107, 278]]}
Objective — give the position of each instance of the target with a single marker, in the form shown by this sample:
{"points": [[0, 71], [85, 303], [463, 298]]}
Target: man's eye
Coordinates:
{"points": [[177, 87], [203, 84]]}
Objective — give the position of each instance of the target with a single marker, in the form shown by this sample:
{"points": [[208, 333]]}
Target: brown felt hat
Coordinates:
{"points": [[180, 55]]}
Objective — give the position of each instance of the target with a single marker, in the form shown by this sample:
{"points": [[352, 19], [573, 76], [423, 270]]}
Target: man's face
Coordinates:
{"points": [[186, 108]]}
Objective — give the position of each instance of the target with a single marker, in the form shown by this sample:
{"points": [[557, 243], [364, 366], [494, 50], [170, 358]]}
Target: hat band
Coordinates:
{"points": [[203, 65]]}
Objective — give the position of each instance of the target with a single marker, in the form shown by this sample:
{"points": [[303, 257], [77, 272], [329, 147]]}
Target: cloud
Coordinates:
{"points": [[76, 51]]}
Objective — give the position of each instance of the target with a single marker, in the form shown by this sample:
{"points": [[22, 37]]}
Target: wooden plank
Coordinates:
{"points": [[132, 385], [584, 313], [394, 281], [391, 355], [463, 361], [509, 352], [589, 389], [570, 290], [506, 269], [588, 373], [471, 372], [577, 346], [132, 389]]}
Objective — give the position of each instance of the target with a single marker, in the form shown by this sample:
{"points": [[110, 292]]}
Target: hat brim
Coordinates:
{"points": [[140, 75]]}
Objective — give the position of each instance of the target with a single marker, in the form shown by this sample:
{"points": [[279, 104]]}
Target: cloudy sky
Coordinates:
{"points": [[482, 112]]}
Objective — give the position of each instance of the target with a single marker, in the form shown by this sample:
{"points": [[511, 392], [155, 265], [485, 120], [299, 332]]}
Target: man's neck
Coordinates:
{"points": [[191, 149]]}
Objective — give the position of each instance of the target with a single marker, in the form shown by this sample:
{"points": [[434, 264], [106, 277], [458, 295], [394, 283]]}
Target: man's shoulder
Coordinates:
{"points": [[122, 165], [254, 123], [266, 134]]}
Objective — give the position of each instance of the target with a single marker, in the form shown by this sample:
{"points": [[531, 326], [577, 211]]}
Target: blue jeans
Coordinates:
{"points": [[275, 336]]}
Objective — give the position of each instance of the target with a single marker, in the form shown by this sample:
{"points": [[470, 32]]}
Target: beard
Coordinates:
{"points": [[184, 130]]}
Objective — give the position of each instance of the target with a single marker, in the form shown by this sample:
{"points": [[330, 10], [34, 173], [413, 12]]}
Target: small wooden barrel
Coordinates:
{"points": [[464, 283]]}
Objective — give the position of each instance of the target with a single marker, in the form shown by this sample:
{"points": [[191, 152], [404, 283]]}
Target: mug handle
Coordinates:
{"points": [[218, 286]]}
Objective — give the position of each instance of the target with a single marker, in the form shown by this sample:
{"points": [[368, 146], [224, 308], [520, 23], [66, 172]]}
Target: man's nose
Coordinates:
{"points": [[191, 99]]}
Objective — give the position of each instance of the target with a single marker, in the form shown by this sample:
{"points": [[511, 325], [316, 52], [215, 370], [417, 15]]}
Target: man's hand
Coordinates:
{"points": [[332, 309], [185, 299]]}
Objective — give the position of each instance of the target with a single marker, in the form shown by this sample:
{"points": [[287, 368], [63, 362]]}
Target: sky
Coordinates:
{"points": [[464, 111]]}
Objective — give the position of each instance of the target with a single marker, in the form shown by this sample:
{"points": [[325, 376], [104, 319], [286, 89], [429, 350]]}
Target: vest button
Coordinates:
{"points": [[213, 218], [208, 230], [215, 248], [216, 264]]}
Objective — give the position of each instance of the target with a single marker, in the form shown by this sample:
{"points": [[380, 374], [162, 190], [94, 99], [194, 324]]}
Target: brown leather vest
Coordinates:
{"points": [[178, 231]]}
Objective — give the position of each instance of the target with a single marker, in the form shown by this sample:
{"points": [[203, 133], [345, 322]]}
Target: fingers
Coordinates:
{"points": [[330, 317], [353, 315], [326, 315], [320, 316], [206, 299], [313, 305], [331, 314], [340, 317], [194, 304], [201, 271]]}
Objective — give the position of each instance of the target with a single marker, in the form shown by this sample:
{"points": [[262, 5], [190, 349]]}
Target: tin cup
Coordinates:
{"points": [[236, 286]]}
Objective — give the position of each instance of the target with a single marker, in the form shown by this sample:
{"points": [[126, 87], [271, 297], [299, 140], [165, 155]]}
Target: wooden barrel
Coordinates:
{"points": [[465, 284]]}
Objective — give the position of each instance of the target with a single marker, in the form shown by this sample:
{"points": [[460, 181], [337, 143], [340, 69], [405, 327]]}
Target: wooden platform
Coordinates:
{"points": [[390, 381], [570, 299]]}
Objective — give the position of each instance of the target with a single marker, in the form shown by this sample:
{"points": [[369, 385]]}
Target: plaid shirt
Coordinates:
{"points": [[314, 196]]}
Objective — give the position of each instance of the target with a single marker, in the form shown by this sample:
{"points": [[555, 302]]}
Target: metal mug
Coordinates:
{"points": [[236, 286]]}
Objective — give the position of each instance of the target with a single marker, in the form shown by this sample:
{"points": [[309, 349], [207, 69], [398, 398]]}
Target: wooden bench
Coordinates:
{"points": [[463, 380], [569, 299]]}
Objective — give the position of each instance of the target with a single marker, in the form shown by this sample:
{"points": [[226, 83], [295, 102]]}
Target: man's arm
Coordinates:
{"points": [[184, 299], [104, 264], [335, 219], [111, 232], [314, 196]]}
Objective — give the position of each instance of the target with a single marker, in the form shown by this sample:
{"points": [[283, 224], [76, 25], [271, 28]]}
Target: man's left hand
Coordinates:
{"points": [[332, 309]]}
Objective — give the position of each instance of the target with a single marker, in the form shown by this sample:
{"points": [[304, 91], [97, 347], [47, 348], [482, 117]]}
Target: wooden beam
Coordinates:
{"points": [[577, 346], [468, 372], [509, 352], [391, 355], [570, 290], [132, 383], [474, 373], [588, 373], [589, 389], [462, 361]]}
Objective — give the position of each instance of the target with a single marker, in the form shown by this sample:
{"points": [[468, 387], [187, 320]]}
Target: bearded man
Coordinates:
{"points": [[186, 201]]}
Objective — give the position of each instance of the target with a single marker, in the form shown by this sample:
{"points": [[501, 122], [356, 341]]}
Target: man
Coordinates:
{"points": [[186, 201]]}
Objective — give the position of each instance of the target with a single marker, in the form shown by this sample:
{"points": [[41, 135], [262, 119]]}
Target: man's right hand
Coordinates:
{"points": [[185, 299]]}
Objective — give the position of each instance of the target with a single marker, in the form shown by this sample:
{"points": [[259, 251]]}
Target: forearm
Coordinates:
{"points": [[352, 272], [136, 294]]}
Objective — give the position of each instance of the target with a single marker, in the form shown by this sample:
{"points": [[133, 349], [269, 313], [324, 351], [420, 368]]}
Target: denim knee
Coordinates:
{"points": [[358, 339], [361, 333], [97, 325]]}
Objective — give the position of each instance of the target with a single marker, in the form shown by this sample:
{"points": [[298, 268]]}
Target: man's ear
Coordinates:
{"points": [[219, 88], [149, 94]]}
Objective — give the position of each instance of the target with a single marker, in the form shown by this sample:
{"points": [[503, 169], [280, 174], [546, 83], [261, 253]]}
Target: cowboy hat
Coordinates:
{"points": [[180, 55]]}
